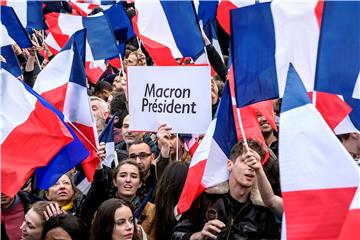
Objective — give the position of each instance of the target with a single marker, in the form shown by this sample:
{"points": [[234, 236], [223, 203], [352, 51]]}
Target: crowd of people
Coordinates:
{"points": [[136, 197]]}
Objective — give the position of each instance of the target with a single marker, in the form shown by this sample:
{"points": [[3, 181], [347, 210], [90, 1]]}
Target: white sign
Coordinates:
{"points": [[177, 95]]}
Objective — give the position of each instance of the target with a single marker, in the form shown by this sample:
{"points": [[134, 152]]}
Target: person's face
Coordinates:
{"points": [[264, 124], [6, 201], [62, 191], [119, 83], [123, 225], [129, 137], [32, 226], [127, 181], [241, 173], [143, 156], [105, 94], [141, 59], [98, 114], [132, 60], [57, 234]]}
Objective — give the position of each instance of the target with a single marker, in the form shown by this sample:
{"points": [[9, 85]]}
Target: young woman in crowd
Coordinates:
{"points": [[34, 221], [65, 227], [115, 220], [168, 191], [127, 180]]}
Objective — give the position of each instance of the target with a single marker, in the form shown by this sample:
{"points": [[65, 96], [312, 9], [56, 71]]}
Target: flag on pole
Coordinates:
{"points": [[169, 30], [107, 136], [29, 12], [318, 176], [208, 165], [63, 83], [31, 135], [338, 64], [11, 29]]}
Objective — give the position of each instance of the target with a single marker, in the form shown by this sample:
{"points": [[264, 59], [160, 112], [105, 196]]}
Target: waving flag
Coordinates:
{"points": [[310, 156], [208, 165], [62, 82], [30, 136], [338, 66], [169, 30], [205, 10], [120, 24], [107, 136], [11, 63], [266, 37], [11, 29], [29, 12]]}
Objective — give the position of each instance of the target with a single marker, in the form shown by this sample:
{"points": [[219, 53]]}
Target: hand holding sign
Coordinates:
{"points": [[177, 95]]}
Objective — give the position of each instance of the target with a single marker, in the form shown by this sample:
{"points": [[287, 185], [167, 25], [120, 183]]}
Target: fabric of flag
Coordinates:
{"points": [[224, 8], [266, 37], [205, 10], [63, 83], [208, 165], [318, 176], [11, 29], [169, 30], [191, 142], [107, 136], [12, 64], [338, 66], [120, 24], [82, 8], [29, 13], [100, 41], [30, 136]]}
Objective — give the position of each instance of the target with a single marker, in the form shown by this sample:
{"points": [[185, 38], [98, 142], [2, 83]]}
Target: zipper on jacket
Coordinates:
{"points": [[232, 219]]}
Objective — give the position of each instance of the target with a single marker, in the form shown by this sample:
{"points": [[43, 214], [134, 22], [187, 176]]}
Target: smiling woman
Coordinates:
{"points": [[34, 221], [114, 219]]}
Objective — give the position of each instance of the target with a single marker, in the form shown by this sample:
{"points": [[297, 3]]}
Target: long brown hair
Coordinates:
{"points": [[104, 220]]}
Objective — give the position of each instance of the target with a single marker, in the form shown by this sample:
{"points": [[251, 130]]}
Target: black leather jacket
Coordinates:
{"points": [[249, 222]]}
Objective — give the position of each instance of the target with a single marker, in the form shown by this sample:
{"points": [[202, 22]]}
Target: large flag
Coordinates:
{"points": [[169, 30], [63, 83], [338, 66], [263, 46], [224, 8], [205, 10], [266, 37], [11, 29], [31, 133], [29, 12], [318, 176], [100, 39], [208, 165]]}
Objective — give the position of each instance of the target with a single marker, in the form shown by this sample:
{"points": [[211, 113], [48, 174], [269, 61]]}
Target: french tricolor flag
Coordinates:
{"points": [[12, 32], [100, 39], [318, 176], [208, 164], [266, 37], [31, 133], [29, 12], [338, 66], [63, 83], [169, 30]]}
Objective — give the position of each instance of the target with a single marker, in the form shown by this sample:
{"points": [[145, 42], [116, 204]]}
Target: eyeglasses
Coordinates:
{"points": [[141, 155]]}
